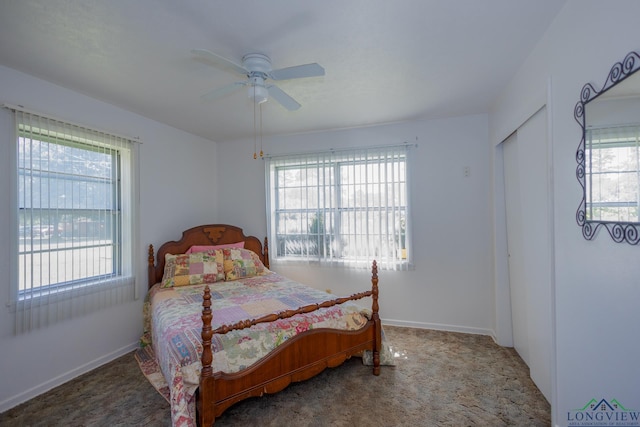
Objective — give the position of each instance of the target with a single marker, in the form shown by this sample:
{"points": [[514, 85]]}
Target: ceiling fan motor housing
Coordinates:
{"points": [[259, 66], [256, 62]]}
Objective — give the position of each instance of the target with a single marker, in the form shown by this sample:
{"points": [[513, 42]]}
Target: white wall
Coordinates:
{"points": [[178, 191], [597, 283], [452, 284]]}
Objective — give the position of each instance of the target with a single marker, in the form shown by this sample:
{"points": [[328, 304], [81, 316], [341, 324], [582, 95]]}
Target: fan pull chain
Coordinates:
{"points": [[261, 152], [255, 131]]}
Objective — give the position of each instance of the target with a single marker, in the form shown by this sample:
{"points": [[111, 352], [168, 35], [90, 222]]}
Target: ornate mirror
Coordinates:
{"points": [[609, 154]]}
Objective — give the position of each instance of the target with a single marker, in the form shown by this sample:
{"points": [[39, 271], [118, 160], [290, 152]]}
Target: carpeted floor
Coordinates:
{"points": [[440, 379]]}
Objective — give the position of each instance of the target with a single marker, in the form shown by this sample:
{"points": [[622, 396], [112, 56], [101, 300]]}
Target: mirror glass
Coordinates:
{"points": [[609, 154]]}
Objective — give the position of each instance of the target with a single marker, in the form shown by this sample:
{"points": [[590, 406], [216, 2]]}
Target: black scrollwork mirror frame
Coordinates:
{"points": [[619, 231]]}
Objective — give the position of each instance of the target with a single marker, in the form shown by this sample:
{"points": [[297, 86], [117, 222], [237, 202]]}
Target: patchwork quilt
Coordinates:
{"points": [[173, 324]]}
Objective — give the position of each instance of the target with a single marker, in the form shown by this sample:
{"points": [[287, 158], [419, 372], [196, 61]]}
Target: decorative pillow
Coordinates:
{"points": [[196, 248], [193, 269], [240, 263]]}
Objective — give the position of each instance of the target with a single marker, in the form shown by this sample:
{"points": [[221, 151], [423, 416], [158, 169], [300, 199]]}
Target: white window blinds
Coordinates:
{"points": [[76, 220], [344, 207]]}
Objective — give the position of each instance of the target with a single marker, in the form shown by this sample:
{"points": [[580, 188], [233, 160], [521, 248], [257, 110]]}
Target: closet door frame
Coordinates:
{"points": [[503, 325]]}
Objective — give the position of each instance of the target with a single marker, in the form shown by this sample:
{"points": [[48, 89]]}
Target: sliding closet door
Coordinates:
{"points": [[516, 244], [527, 199]]}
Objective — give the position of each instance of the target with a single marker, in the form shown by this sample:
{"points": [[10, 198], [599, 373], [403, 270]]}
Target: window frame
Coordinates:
{"points": [[122, 182], [335, 210]]}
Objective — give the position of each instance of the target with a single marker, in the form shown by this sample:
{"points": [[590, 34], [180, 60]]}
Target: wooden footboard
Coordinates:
{"points": [[300, 358]]}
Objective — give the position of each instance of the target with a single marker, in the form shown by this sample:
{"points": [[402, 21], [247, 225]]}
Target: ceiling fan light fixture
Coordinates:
{"points": [[258, 93]]}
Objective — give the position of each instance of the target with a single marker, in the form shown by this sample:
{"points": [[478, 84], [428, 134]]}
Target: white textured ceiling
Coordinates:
{"points": [[385, 61]]}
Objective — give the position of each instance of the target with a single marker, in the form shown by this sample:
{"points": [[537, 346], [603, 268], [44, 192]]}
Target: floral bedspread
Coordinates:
{"points": [[173, 324]]}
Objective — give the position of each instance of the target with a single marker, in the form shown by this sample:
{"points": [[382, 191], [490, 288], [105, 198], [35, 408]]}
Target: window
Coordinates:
{"points": [[348, 207], [613, 174], [75, 220]]}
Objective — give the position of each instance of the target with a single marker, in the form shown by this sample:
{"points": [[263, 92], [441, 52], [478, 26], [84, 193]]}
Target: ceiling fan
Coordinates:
{"points": [[257, 68]]}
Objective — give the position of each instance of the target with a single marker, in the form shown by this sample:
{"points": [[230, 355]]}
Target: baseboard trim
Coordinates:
{"points": [[440, 327], [35, 391]]}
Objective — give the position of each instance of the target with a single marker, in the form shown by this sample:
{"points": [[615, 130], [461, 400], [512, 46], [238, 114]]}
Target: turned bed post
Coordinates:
{"points": [[151, 268], [265, 253], [376, 318], [206, 410]]}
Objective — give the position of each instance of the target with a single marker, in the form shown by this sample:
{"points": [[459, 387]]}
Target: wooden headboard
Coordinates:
{"points": [[211, 234]]}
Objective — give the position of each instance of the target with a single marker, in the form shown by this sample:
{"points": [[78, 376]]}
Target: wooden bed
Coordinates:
{"points": [[298, 359]]}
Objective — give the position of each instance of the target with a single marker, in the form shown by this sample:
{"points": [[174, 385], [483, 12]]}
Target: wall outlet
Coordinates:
{"points": [[467, 171]]}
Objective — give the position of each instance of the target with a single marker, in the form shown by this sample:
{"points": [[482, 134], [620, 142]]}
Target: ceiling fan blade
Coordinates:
{"points": [[222, 91], [285, 100], [299, 71], [210, 58]]}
